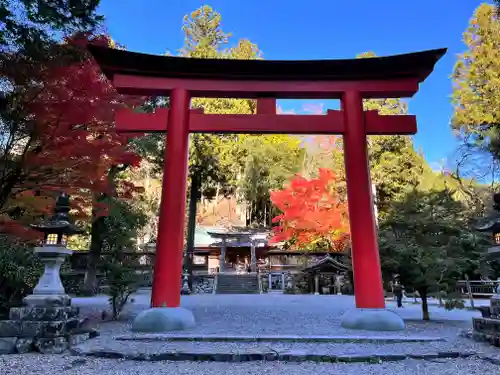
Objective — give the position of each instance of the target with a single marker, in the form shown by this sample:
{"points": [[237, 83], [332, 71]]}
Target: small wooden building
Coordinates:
{"points": [[327, 276]]}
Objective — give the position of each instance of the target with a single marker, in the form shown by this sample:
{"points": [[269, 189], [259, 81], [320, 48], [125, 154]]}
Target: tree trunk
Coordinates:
{"points": [[98, 231], [425, 306], [194, 195], [270, 216], [89, 283]]}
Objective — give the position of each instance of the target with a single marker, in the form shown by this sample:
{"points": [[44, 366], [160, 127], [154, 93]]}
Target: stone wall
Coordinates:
{"points": [[203, 284]]}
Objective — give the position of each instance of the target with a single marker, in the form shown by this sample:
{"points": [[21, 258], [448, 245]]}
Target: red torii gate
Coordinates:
{"points": [[351, 81]]}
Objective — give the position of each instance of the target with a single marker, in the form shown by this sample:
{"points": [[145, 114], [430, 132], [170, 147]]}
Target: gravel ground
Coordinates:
{"points": [[293, 315], [266, 314], [67, 365]]}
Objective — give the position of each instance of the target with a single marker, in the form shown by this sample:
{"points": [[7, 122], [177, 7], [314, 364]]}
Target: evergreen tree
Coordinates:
{"points": [[203, 34], [476, 91], [428, 241], [225, 162], [396, 167]]}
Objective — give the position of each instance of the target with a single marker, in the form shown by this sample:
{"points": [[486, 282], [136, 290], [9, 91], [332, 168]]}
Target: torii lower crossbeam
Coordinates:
{"points": [[128, 121]]}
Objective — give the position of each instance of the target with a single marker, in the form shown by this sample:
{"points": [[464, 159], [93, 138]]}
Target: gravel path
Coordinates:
{"points": [[67, 365], [285, 314], [295, 315]]}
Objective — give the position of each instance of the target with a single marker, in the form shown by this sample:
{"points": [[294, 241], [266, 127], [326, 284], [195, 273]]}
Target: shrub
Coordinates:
{"points": [[121, 228], [301, 283], [454, 302], [20, 270], [122, 282]]}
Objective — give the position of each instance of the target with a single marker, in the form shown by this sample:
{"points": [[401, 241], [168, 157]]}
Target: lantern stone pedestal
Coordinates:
{"points": [[487, 328], [49, 290], [47, 322]]}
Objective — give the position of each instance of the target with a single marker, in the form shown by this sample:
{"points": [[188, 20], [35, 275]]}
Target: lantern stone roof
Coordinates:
{"points": [[417, 65], [491, 226], [60, 222]]}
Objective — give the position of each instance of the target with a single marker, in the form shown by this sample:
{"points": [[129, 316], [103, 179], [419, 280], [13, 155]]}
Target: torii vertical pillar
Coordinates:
{"points": [[369, 292], [168, 263]]}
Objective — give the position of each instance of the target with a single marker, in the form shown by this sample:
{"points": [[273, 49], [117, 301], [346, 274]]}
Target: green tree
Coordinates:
{"points": [[396, 167], [31, 26], [223, 163], [268, 162], [476, 93], [212, 155], [428, 240], [203, 34]]}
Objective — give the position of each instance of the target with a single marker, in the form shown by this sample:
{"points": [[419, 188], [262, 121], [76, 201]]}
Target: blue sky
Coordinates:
{"points": [[321, 29]]}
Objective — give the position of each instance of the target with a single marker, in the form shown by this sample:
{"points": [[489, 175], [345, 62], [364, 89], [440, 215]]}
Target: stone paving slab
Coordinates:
{"points": [[262, 354], [278, 338]]}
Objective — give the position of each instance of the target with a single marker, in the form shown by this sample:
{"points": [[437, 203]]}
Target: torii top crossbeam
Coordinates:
{"points": [[381, 77], [378, 77]]}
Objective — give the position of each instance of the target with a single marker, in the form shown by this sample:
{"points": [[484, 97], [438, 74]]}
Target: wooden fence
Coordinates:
{"points": [[478, 289]]}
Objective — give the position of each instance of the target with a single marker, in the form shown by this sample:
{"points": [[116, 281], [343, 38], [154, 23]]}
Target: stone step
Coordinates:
{"points": [[232, 286], [237, 284], [237, 277], [381, 339], [169, 350], [237, 292]]}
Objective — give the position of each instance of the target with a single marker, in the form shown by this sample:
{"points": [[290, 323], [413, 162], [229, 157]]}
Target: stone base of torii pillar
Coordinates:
{"points": [[373, 320]]}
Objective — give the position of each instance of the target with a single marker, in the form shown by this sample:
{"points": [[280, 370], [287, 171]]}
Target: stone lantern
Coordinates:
{"points": [[492, 226], [47, 322], [53, 253]]}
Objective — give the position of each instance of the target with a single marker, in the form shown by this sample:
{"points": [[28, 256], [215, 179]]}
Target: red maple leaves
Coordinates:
{"points": [[313, 214], [75, 117], [69, 141]]}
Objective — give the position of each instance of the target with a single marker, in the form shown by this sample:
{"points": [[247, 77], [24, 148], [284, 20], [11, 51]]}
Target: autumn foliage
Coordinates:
{"points": [[313, 214], [64, 140]]}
